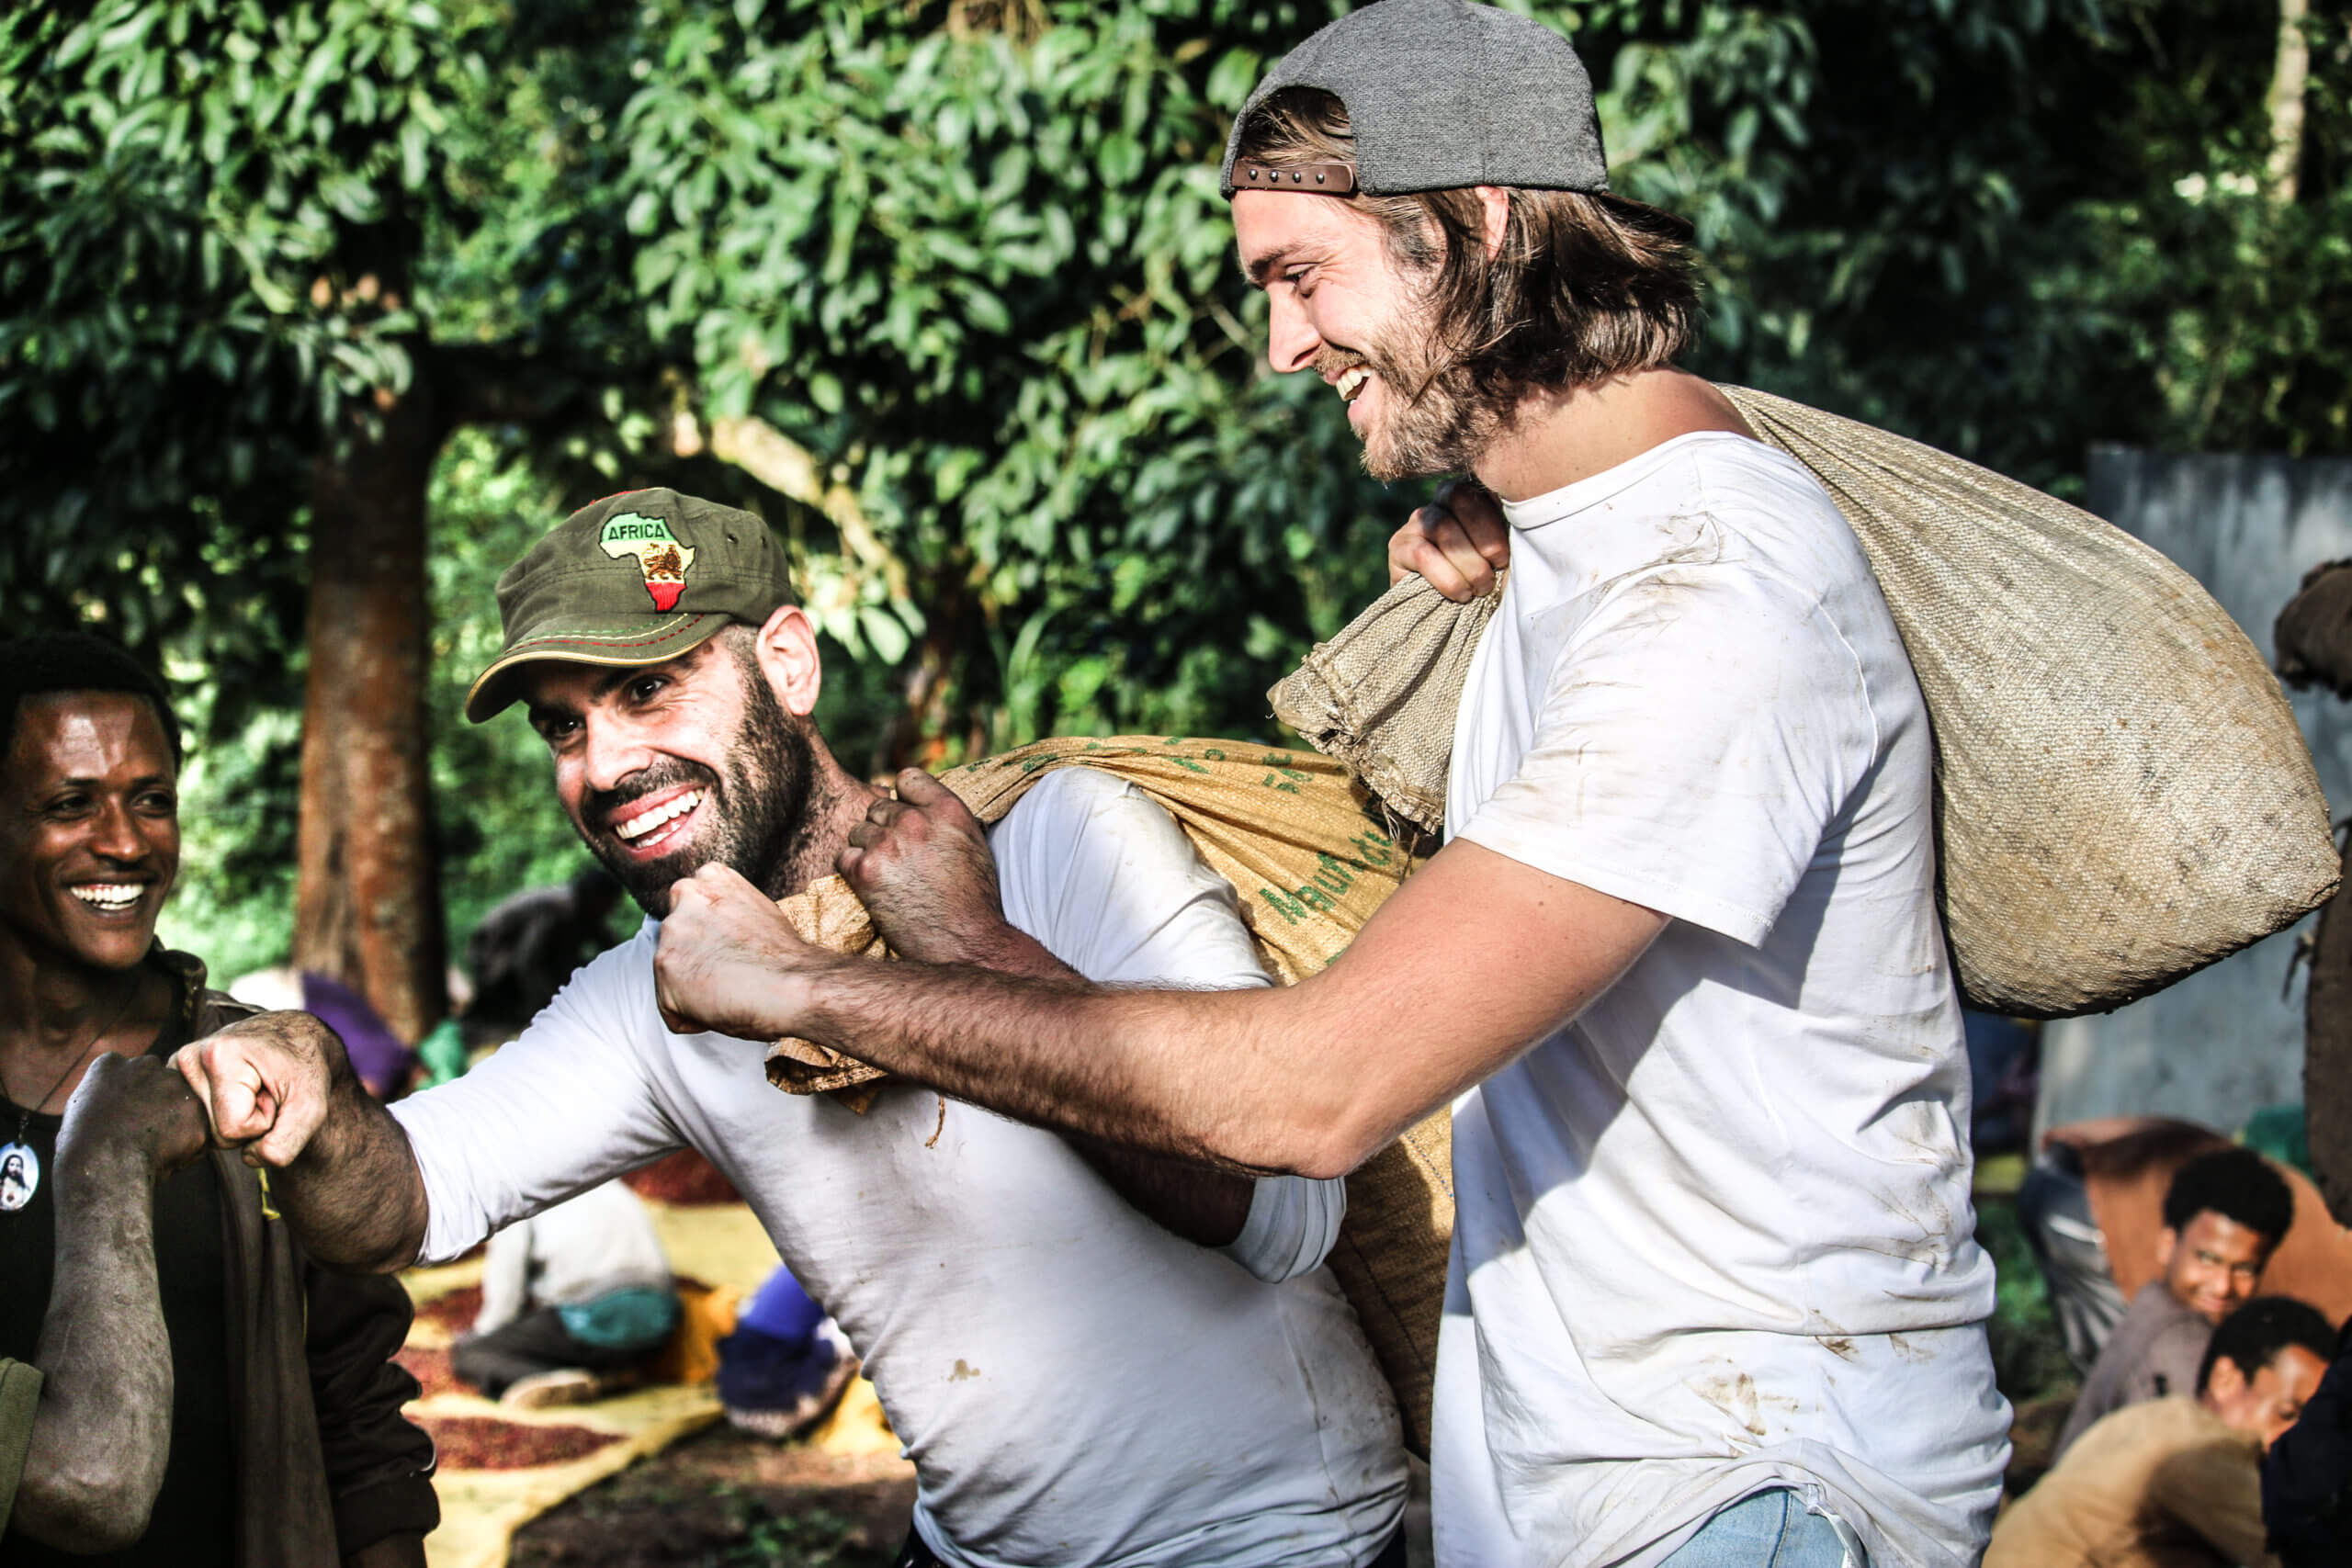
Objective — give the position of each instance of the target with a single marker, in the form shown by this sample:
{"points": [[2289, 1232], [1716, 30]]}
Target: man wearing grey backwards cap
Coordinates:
{"points": [[1714, 1297]]}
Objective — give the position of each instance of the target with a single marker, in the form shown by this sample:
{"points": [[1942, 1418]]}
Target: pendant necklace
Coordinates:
{"points": [[20, 1166]]}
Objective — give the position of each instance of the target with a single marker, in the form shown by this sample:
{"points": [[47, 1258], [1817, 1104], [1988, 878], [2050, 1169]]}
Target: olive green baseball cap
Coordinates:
{"points": [[636, 579]]}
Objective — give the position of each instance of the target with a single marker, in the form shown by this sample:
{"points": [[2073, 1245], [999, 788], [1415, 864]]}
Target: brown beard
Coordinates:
{"points": [[1438, 425]]}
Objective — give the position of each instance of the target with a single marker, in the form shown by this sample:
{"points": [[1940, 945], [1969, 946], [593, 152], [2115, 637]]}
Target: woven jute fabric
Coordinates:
{"points": [[1379, 697], [1309, 864], [2121, 793]]}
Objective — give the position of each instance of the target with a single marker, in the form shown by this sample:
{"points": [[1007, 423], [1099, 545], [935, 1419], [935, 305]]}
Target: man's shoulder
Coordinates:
{"points": [[1074, 791], [1048, 832]]}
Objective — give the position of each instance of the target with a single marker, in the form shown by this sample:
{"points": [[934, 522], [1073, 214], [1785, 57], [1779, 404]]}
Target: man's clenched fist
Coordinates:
{"points": [[922, 867], [265, 1082], [134, 1105], [1457, 543], [727, 961]]}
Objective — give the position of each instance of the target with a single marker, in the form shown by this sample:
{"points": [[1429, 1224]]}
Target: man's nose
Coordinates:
{"points": [[120, 835], [611, 751], [1291, 340]]}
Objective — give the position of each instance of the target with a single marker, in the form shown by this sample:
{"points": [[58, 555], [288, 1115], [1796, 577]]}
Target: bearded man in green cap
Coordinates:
{"points": [[1091, 1356]]}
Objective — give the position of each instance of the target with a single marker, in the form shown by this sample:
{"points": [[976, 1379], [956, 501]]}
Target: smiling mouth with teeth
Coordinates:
{"points": [[109, 898], [647, 823], [1353, 382]]}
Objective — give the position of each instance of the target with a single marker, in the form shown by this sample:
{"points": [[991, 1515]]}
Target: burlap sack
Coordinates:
{"points": [[1291, 833], [2121, 793]]}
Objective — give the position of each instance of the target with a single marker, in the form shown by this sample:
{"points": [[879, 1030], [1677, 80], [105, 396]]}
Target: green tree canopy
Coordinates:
{"points": [[943, 290]]}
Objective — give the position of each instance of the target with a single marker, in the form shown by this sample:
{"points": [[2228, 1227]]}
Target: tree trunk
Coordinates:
{"points": [[2289, 84], [2327, 1054], [367, 897]]}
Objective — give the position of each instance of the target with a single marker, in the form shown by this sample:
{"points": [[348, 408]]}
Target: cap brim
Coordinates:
{"points": [[662, 638]]}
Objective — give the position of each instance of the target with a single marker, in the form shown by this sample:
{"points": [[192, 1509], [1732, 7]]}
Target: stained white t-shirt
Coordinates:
{"points": [[1074, 1385], [1716, 1236]]}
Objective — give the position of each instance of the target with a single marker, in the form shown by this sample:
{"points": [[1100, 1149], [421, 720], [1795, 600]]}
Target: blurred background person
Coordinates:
{"points": [[784, 1364], [2307, 1474], [2224, 1213], [526, 947], [574, 1299], [2175, 1482]]}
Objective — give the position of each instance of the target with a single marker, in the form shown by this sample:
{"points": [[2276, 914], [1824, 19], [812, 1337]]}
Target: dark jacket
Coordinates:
{"points": [[325, 1465]]}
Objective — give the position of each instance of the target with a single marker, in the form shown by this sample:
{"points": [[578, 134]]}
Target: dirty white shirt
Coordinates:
{"points": [[1716, 1236], [1074, 1385]]}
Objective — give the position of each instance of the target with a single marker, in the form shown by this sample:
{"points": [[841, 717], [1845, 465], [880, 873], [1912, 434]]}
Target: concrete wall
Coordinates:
{"points": [[2224, 1042]]}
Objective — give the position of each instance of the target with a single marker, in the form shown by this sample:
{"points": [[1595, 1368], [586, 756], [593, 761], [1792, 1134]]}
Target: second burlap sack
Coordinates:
{"points": [[2123, 796], [1308, 867]]}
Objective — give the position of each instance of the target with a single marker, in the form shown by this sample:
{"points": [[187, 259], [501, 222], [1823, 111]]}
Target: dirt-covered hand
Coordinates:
{"points": [[727, 961], [1457, 543], [921, 866], [135, 1107], [266, 1082]]}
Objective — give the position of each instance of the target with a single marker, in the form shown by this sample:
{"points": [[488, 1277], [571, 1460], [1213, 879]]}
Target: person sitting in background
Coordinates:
{"points": [[2090, 1178], [527, 946], [86, 1426], [573, 1298], [286, 1441], [785, 1363], [2224, 1213], [2176, 1482], [2307, 1474]]}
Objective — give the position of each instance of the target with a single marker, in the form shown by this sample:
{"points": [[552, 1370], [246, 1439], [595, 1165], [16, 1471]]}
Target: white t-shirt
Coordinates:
{"points": [[1716, 1236], [1074, 1385]]}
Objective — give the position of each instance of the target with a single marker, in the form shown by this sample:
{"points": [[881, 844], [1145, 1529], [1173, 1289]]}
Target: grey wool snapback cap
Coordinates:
{"points": [[635, 579], [1443, 94]]}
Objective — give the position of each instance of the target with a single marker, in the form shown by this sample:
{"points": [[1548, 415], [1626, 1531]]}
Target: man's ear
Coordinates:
{"points": [[2226, 1381], [2166, 1240], [788, 653], [1494, 215]]}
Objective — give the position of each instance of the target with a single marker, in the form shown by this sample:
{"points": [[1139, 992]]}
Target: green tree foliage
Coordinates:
{"points": [[945, 291]]}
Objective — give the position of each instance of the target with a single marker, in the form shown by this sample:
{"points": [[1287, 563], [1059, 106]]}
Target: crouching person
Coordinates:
{"points": [[574, 1299], [2175, 1481], [257, 1406]]}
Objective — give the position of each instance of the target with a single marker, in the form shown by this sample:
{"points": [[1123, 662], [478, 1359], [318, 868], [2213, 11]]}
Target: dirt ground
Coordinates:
{"points": [[723, 1500]]}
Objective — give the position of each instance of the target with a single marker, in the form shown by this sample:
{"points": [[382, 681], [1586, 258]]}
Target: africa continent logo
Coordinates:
{"points": [[658, 555]]}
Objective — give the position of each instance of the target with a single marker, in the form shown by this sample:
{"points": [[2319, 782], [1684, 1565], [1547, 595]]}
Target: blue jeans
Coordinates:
{"points": [[1771, 1529]]}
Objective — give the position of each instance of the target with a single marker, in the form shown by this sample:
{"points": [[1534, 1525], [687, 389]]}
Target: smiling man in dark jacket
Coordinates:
{"points": [[287, 1447]]}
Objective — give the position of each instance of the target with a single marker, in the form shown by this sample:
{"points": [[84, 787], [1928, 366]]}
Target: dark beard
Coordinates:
{"points": [[763, 807]]}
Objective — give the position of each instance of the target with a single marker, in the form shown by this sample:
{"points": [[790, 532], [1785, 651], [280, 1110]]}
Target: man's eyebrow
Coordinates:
{"points": [[98, 781], [1255, 269], [613, 680]]}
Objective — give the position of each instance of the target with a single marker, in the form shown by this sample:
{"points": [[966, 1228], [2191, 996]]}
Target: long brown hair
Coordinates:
{"points": [[1583, 288]]}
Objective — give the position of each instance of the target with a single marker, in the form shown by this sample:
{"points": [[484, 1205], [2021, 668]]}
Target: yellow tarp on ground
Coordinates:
{"points": [[719, 1244]]}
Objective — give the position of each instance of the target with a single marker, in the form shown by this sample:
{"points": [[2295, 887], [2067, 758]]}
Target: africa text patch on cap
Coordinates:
{"points": [[656, 550], [635, 579]]}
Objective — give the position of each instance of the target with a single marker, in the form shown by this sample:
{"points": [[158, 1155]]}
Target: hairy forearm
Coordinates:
{"points": [[1194, 1074], [355, 1195], [104, 1428]]}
